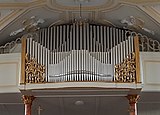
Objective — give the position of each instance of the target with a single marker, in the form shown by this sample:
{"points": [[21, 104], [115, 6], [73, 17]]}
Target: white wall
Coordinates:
{"points": [[9, 72], [150, 70]]}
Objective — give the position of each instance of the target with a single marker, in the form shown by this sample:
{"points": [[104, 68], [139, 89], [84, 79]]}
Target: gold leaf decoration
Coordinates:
{"points": [[28, 99], [126, 71], [34, 72]]}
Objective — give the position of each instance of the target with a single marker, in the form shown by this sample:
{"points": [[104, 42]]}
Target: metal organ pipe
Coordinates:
{"points": [[71, 53], [60, 46], [28, 46], [33, 49], [121, 46], [117, 47], [87, 50], [124, 44], [129, 45], [98, 51], [80, 52], [105, 48], [105, 53], [74, 48], [68, 55], [132, 45], [94, 52], [36, 51], [108, 61], [101, 51], [70, 50], [54, 44], [83, 52], [90, 50], [65, 65], [112, 48]]}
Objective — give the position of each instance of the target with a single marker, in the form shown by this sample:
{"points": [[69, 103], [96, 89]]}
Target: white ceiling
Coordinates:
{"points": [[109, 12]]}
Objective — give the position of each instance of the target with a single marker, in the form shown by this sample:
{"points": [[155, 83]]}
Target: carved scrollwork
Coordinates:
{"points": [[28, 99], [126, 71], [148, 44], [34, 72], [133, 98], [10, 46]]}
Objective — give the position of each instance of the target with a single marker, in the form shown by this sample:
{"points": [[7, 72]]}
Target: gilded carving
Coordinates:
{"points": [[34, 72], [132, 102], [126, 71], [28, 99], [133, 98]]}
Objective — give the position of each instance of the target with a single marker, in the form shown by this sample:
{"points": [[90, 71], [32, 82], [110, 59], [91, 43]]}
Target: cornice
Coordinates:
{"points": [[20, 5], [19, 9], [153, 14], [108, 5], [7, 19], [13, 5], [141, 2]]}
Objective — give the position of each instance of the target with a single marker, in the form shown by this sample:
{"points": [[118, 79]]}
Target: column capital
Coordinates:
{"points": [[133, 98], [28, 99]]}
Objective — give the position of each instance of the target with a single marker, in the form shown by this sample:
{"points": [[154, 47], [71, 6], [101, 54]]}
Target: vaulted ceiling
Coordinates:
{"points": [[108, 12]]}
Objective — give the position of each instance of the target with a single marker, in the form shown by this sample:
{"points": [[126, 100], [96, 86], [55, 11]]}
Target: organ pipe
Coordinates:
{"points": [[80, 52]]}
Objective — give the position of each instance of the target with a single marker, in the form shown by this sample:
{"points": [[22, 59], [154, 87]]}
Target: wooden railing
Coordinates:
{"points": [[81, 53]]}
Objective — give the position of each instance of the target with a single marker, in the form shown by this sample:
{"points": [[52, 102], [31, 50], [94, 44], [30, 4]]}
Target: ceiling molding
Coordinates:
{"points": [[11, 18], [20, 8], [7, 19], [108, 5], [152, 13], [85, 14], [13, 5], [20, 5], [107, 22], [147, 11], [5, 12], [53, 10], [116, 7], [57, 22], [138, 2]]}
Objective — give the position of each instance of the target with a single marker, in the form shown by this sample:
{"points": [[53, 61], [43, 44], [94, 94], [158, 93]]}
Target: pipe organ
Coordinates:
{"points": [[73, 52]]}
